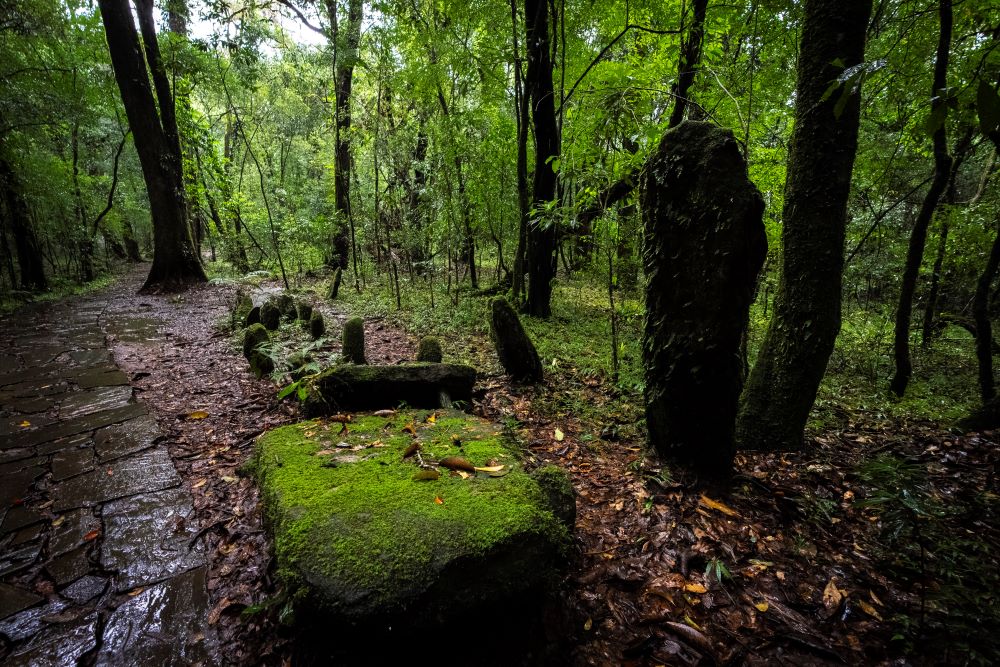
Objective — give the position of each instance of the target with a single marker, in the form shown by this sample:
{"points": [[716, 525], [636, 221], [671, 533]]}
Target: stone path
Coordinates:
{"points": [[99, 563]]}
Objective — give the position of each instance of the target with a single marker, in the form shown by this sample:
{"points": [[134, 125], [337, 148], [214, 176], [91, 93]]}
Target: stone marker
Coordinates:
{"points": [[353, 342], [516, 351], [429, 350], [704, 247]]}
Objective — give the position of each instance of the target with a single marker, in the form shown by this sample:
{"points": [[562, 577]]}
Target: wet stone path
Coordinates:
{"points": [[99, 563]]}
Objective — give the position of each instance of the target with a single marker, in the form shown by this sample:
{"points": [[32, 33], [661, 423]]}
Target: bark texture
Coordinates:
{"points": [[704, 247], [541, 238], [17, 219], [782, 386], [154, 128]]}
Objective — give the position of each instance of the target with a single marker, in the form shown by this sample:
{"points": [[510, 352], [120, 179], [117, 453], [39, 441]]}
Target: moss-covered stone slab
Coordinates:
{"points": [[420, 385], [369, 529]]}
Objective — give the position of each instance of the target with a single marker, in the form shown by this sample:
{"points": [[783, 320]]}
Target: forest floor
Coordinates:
{"points": [[878, 542]]}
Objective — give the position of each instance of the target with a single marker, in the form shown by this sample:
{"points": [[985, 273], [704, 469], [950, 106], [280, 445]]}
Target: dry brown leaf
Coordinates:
{"points": [[870, 610], [412, 449], [716, 505], [340, 419], [695, 588], [456, 463], [200, 483], [92, 535], [384, 413], [439, 500], [832, 595], [410, 428]]}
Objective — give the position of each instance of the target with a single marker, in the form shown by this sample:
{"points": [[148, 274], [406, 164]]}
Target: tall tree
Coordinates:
{"points": [[541, 231], [918, 238], [800, 336], [154, 127], [344, 63], [16, 217]]}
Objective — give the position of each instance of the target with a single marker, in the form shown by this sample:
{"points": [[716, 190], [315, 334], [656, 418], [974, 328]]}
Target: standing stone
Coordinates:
{"points": [[335, 284], [305, 311], [516, 351], [704, 247], [254, 338], [270, 315], [429, 350], [286, 305], [317, 327], [253, 317], [353, 343]]}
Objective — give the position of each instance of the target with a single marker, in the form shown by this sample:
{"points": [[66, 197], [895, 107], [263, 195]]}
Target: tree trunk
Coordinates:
{"points": [[175, 262], [521, 116], [344, 78], [541, 238], [930, 311], [417, 214], [29, 254], [688, 65], [981, 315], [800, 336], [918, 239]]}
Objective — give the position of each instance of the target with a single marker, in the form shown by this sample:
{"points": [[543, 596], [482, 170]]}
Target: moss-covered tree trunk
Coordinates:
{"points": [[782, 386], [984, 330], [541, 239], [704, 247], [154, 128], [918, 238]]}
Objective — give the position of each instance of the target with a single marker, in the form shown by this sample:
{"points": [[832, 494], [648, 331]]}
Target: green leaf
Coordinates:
{"points": [[287, 391]]}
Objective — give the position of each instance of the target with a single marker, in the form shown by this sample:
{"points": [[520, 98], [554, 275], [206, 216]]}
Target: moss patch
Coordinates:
{"points": [[353, 525]]}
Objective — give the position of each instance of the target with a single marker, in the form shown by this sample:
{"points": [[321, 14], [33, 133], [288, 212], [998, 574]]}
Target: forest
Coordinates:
{"points": [[585, 332]]}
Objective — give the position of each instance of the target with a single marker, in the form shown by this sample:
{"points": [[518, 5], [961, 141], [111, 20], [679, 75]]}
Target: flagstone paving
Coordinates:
{"points": [[98, 562]]}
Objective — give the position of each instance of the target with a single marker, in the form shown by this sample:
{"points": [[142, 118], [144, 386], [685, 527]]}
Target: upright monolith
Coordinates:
{"points": [[516, 351], [353, 342], [704, 248]]}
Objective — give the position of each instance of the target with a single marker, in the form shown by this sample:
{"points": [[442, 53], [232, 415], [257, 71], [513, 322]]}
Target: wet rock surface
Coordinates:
{"points": [[97, 560]]}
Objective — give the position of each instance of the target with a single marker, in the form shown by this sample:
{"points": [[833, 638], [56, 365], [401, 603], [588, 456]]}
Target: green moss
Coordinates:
{"points": [[353, 346], [353, 523], [255, 336], [270, 315], [304, 311], [429, 350], [317, 327]]}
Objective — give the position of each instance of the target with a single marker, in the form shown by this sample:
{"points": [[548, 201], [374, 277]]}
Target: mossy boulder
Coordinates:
{"points": [[304, 311], [241, 309], [286, 305], [353, 342], [366, 536], [317, 327], [429, 350], [270, 315], [253, 317], [254, 338], [363, 387]]}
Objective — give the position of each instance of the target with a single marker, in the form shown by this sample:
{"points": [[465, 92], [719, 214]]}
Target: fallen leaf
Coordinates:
{"points": [[455, 440], [875, 599], [412, 449], [57, 522], [439, 500], [200, 483], [463, 474], [25, 424], [431, 418], [228, 479], [384, 413], [410, 428], [135, 591], [761, 606], [92, 535], [695, 588], [340, 419], [832, 595], [197, 414], [324, 452], [716, 505], [489, 468], [426, 475], [870, 610], [559, 435], [456, 463], [588, 624]]}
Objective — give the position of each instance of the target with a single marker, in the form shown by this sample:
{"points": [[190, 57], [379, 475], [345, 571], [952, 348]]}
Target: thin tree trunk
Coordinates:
{"points": [[918, 238], [981, 315], [782, 386], [521, 110], [689, 62], [344, 78], [541, 232]]}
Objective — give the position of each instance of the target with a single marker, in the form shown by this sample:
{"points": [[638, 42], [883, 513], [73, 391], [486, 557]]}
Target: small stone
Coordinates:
{"points": [[429, 350], [353, 345], [317, 327], [304, 311]]}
